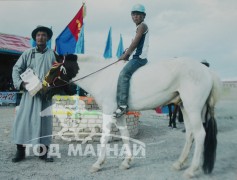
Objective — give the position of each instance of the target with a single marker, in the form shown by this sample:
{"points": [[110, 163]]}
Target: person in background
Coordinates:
{"points": [[29, 127], [138, 50]]}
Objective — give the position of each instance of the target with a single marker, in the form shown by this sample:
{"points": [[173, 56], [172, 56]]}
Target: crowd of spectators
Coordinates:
{"points": [[6, 83]]}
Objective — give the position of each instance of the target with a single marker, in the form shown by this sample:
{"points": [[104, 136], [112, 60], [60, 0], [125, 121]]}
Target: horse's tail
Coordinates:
{"points": [[210, 126]]}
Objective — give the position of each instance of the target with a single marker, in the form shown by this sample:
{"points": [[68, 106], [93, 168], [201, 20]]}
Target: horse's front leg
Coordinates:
{"points": [[122, 125], [106, 128]]}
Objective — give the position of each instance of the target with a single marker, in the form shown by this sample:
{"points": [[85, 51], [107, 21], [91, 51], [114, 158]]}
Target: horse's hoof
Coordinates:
{"points": [[124, 166], [187, 174], [177, 166], [95, 168]]}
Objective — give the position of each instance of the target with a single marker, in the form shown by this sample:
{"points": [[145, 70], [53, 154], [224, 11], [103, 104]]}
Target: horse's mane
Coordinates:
{"points": [[71, 57], [93, 58]]}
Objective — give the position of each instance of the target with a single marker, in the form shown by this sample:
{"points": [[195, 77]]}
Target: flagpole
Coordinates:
{"points": [[84, 9]]}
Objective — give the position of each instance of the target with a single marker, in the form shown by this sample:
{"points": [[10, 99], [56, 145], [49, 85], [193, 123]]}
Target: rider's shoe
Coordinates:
{"points": [[120, 111]]}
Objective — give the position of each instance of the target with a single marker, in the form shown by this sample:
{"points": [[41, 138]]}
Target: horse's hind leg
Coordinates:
{"points": [[178, 165], [199, 137], [106, 128], [122, 125]]}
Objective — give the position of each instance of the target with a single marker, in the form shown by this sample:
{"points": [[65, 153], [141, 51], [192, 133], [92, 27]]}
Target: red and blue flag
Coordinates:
{"points": [[67, 40]]}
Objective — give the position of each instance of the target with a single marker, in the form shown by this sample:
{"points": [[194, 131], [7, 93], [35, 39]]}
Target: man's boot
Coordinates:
{"points": [[45, 156], [20, 153]]}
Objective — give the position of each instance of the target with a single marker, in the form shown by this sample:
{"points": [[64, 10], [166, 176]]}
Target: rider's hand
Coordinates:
{"points": [[124, 57]]}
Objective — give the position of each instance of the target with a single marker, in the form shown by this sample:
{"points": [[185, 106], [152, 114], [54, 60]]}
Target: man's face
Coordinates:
{"points": [[41, 38], [137, 17]]}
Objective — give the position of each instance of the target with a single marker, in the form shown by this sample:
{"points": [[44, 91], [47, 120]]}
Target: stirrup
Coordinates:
{"points": [[120, 112]]}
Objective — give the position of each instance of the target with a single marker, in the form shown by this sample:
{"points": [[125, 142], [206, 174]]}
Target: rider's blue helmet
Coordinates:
{"points": [[139, 8]]}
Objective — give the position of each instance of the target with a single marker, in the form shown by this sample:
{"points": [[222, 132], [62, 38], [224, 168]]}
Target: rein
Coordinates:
{"points": [[67, 83]]}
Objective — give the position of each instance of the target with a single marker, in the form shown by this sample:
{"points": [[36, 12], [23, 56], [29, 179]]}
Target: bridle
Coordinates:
{"points": [[58, 77], [64, 71]]}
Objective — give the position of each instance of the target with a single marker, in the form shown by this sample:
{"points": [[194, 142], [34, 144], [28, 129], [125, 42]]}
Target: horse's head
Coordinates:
{"points": [[61, 72]]}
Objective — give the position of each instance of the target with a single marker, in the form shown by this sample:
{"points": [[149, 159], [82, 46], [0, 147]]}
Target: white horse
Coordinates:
{"points": [[155, 84]]}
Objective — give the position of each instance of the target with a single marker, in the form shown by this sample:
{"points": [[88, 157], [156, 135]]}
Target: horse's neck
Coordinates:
{"points": [[92, 82], [91, 64]]}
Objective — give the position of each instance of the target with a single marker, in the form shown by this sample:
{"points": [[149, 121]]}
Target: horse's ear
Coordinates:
{"points": [[71, 57], [59, 58]]}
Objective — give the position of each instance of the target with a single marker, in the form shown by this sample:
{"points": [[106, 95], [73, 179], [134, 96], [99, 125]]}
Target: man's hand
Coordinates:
{"points": [[23, 85]]}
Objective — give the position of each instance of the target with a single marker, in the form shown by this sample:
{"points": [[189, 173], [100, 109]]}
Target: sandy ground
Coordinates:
{"points": [[163, 146]]}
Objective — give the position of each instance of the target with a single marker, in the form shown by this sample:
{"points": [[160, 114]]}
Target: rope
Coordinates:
{"points": [[85, 75]]}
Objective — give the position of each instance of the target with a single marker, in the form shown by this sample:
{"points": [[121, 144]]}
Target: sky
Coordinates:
{"points": [[199, 29]]}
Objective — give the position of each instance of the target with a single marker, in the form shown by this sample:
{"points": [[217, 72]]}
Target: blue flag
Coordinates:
{"points": [[80, 46], [108, 47], [120, 47]]}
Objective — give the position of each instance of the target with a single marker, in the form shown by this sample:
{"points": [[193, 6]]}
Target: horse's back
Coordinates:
{"points": [[170, 71], [163, 80]]}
